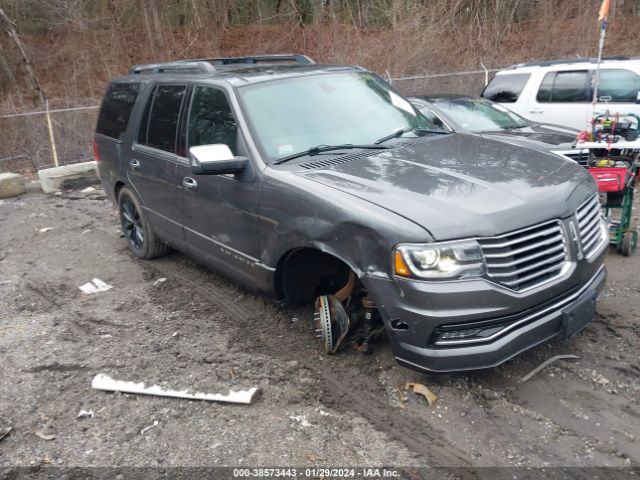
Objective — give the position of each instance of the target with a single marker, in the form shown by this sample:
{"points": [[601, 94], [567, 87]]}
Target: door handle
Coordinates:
{"points": [[135, 164], [190, 183], [537, 110]]}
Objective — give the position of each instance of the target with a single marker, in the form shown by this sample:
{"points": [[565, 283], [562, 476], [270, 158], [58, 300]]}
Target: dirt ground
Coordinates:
{"points": [[199, 331]]}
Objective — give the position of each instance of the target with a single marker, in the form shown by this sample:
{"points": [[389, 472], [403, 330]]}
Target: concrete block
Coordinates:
{"points": [[51, 179], [11, 185]]}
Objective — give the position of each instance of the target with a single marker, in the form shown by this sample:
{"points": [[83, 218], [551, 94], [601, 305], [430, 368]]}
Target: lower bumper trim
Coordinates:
{"points": [[565, 318]]}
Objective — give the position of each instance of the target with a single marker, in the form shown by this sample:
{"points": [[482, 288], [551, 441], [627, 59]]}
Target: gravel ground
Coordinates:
{"points": [[199, 331]]}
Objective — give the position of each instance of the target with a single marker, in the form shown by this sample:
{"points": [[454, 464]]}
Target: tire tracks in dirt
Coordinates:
{"points": [[365, 398]]}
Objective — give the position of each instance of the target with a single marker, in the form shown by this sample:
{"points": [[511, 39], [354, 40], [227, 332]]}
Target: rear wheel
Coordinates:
{"points": [[138, 231]]}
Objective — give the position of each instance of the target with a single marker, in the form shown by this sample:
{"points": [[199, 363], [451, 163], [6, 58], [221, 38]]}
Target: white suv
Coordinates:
{"points": [[561, 91]]}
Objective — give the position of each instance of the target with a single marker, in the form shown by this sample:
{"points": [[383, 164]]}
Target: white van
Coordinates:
{"points": [[561, 91]]}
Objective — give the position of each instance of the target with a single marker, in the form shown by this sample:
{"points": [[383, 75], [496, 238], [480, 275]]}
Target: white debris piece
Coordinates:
{"points": [[85, 414], [46, 229], [88, 190], [302, 420], [159, 281], [95, 286], [149, 427], [104, 382]]}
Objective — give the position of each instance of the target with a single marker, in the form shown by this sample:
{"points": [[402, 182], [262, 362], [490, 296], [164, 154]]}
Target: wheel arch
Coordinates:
{"points": [[302, 273]]}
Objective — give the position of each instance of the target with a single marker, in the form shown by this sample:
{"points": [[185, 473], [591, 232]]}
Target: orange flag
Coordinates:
{"points": [[604, 10]]}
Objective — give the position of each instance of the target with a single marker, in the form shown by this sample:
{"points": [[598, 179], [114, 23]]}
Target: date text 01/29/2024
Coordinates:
{"points": [[314, 472]]}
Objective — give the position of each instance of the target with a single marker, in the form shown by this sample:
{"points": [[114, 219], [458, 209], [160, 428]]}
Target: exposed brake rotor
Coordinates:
{"points": [[331, 322]]}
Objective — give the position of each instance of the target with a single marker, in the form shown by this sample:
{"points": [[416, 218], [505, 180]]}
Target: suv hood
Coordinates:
{"points": [[459, 185]]}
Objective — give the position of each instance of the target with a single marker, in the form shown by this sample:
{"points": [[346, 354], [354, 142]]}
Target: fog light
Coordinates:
{"points": [[472, 332]]}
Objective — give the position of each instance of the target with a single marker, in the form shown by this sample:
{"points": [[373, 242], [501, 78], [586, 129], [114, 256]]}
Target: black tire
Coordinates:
{"points": [[626, 248], [138, 232]]}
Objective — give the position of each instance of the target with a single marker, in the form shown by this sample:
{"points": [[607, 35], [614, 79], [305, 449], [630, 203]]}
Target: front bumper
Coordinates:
{"points": [[412, 329]]}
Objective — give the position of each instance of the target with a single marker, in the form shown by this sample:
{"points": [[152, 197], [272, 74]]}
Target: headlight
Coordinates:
{"points": [[440, 261]]}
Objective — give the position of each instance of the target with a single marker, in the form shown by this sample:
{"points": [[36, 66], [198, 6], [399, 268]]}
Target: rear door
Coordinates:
{"points": [[563, 97], [152, 163], [113, 122], [220, 211]]}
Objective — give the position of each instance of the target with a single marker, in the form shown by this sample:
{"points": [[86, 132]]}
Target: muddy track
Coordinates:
{"points": [[358, 392]]}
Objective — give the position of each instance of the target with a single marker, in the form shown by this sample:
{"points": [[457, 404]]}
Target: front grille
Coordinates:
{"points": [[526, 258], [579, 156], [589, 216]]}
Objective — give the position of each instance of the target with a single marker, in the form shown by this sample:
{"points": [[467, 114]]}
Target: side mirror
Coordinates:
{"points": [[215, 160]]}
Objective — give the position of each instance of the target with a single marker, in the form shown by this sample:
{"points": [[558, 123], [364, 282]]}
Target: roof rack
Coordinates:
{"points": [[253, 59], [188, 66], [207, 65], [546, 63]]}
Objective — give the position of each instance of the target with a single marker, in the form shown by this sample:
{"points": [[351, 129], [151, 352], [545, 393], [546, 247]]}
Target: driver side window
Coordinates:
{"points": [[211, 120]]}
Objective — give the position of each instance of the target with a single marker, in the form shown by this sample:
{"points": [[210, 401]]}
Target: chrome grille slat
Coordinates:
{"points": [[589, 216], [588, 232], [526, 258], [530, 267], [510, 243], [549, 241], [532, 276], [587, 219]]}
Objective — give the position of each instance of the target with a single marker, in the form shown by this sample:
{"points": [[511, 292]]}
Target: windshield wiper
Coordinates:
{"points": [[327, 148], [402, 131]]}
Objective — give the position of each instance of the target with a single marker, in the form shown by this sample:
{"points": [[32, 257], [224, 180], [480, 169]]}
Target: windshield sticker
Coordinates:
{"points": [[285, 149], [401, 103]]}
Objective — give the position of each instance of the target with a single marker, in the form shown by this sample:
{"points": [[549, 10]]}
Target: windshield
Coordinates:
{"points": [[480, 115], [297, 114]]}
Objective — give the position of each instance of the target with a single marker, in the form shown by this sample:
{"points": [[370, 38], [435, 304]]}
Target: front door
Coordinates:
{"points": [[220, 211]]}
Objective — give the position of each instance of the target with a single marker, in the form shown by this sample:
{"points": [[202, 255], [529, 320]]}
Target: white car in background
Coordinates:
{"points": [[561, 91]]}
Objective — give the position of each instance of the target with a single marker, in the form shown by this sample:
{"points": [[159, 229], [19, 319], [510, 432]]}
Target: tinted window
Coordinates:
{"points": [[163, 118], [621, 85], [116, 109], [506, 88], [564, 87], [211, 120], [544, 92]]}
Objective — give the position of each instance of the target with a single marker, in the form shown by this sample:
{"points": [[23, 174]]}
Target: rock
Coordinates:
{"points": [[11, 185], [51, 179]]}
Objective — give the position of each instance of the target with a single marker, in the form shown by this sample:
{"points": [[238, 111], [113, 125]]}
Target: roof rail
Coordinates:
{"points": [[188, 66], [546, 63], [253, 59]]}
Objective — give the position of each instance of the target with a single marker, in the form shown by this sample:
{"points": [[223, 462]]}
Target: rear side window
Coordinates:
{"points": [[211, 120], [116, 109], [564, 87], [506, 88], [618, 85], [159, 123]]}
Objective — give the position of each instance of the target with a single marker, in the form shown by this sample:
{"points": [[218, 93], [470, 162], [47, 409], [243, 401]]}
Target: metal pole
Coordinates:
{"points": [[52, 139], [486, 74], [596, 78]]}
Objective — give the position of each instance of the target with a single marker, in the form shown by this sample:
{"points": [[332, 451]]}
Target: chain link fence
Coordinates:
{"points": [[463, 83], [31, 141]]}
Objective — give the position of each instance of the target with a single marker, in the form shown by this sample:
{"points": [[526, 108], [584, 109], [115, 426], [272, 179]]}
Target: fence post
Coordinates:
{"points": [[51, 136], [486, 74]]}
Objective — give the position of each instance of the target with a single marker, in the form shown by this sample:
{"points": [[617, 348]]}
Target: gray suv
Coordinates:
{"points": [[315, 182]]}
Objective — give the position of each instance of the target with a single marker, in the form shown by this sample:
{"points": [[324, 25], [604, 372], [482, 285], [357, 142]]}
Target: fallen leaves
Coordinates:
{"points": [[422, 390]]}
